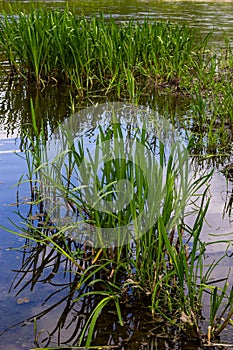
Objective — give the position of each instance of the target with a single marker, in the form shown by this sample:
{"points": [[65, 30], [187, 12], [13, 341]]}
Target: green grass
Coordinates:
{"points": [[162, 268], [94, 53], [129, 60]]}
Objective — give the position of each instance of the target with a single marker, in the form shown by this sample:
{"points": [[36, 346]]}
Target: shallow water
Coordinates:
{"points": [[21, 308], [54, 105]]}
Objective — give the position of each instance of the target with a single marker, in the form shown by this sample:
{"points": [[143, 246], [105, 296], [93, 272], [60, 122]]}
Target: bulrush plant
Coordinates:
{"points": [[158, 260], [92, 54]]}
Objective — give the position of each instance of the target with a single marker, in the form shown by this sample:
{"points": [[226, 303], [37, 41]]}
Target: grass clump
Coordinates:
{"points": [[163, 268], [158, 260], [103, 57], [94, 53]]}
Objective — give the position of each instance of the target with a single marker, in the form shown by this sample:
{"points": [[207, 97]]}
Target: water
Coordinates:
{"points": [[54, 106], [38, 299]]}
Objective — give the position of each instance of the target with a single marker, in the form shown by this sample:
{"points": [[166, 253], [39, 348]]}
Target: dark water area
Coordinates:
{"points": [[49, 298]]}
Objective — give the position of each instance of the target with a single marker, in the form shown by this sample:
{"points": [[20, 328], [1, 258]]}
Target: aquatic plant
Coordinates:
{"points": [[94, 53], [131, 59], [99, 56], [163, 268]]}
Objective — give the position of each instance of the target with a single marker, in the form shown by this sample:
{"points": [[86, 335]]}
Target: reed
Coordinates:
{"points": [[163, 268], [94, 53]]}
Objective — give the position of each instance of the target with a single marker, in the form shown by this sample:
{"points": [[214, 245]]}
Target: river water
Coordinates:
{"points": [[54, 105]]}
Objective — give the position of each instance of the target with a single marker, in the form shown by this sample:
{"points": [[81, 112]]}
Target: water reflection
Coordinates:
{"points": [[51, 107], [63, 320], [228, 172], [229, 203], [42, 265]]}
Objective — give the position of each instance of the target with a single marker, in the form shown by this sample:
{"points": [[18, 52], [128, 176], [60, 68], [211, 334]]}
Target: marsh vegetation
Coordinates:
{"points": [[162, 270]]}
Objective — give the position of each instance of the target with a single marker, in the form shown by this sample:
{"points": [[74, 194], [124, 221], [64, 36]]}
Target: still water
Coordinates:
{"points": [[54, 106]]}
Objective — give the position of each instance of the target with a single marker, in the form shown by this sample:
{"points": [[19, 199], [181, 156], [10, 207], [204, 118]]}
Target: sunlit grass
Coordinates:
{"points": [[164, 267], [125, 60], [95, 53]]}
